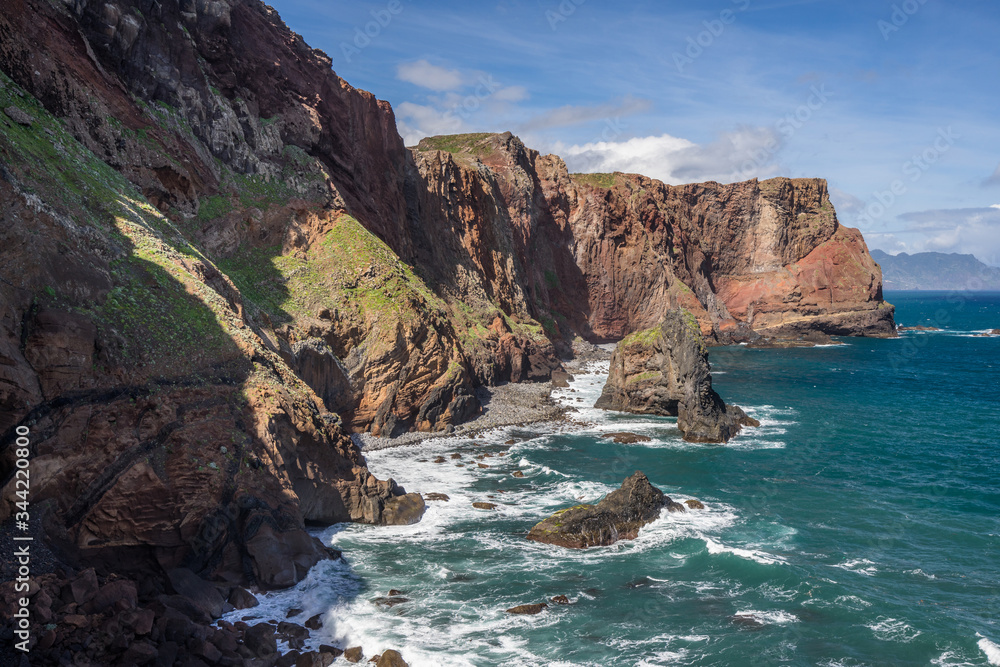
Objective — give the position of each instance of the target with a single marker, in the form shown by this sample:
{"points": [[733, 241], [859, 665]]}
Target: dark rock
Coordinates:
{"points": [[84, 587], [333, 650], [627, 438], [456, 455], [436, 496], [292, 630], [200, 592], [315, 623], [390, 601], [139, 653], [618, 516], [319, 368], [354, 654], [527, 609], [260, 640], [319, 658], [292, 612], [518, 474], [241, 598], [694, 504], [482, 465], [119, 592], [665, 371], [918, 328], [559, 599], [391, 658], [289, 659], [484, 506], [440, 459], [393, 591], [204, 649]]}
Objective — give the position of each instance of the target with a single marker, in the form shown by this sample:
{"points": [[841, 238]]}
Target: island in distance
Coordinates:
{"points": [[936, 271]]}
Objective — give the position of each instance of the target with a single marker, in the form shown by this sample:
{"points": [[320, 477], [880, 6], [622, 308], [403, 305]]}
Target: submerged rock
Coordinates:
{"points": [[484, 506], [627, 438], [664, 371], [694, 504], [619, 516]]}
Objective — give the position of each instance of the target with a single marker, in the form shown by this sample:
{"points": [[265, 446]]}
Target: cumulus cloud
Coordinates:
{"points": [[739, 155], [426, 75]]}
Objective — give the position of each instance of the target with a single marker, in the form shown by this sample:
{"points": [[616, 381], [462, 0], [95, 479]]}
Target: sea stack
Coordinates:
{"points": [[664, 371]]}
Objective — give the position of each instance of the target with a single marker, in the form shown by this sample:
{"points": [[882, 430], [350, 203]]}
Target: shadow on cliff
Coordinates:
{"points": [[143, 425]]}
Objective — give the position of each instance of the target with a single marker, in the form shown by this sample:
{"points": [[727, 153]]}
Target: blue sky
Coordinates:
{"points": [[895, 103]]}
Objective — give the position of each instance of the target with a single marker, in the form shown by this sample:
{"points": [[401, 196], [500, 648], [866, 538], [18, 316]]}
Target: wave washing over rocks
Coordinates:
{"points": [[428, 587]]}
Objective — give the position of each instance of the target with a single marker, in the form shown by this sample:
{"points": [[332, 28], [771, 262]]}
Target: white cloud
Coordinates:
{"points": [[995, 206], [422, 73], [735, 156]]}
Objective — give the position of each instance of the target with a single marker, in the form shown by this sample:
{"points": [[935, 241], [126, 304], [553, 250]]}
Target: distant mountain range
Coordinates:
{"points": [[936, 271]]}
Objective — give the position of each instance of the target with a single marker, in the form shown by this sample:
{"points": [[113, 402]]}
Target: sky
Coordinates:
{"points": [[895, 102]]}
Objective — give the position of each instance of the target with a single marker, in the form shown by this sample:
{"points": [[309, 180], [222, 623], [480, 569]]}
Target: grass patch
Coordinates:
{"points": [[455, 143], [603, 181]]}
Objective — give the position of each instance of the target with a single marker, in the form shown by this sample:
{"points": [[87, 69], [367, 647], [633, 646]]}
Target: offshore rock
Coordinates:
{"points": [[619, 516], [665, 371]]}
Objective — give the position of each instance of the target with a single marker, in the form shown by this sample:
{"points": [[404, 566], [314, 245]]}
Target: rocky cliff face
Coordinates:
{"points": [[609, 254], [218, 258], [664, 371]]}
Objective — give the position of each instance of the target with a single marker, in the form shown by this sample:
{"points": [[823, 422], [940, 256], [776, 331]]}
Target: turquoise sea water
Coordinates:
{"points": [[860, 525]]}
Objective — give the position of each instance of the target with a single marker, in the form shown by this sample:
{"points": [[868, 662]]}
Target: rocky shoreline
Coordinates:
{"points": [[511, 404]]}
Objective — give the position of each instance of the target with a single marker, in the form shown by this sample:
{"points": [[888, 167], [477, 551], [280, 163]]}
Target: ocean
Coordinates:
{"points": [[859, 525]]}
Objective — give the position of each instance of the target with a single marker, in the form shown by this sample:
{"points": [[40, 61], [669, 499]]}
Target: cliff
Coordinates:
{"points": [[664, 371], [604, 255], [218, 259]]}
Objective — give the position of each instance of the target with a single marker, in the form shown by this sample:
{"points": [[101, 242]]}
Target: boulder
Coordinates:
{"points": [[315, 622], [203, 594], [618, 516], [354, 654], [627, 438], [260, 640], [517, 473], [560, 599], [241, 598], [403, 510], [391, 658], [436, 496], [527, 609], [665, 371], [694, 504], [484, 506], [319, 658]]}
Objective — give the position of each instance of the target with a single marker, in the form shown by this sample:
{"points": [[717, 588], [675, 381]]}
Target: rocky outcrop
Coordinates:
{"points": [[604, 255], [664, 371], [618, 516]]}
